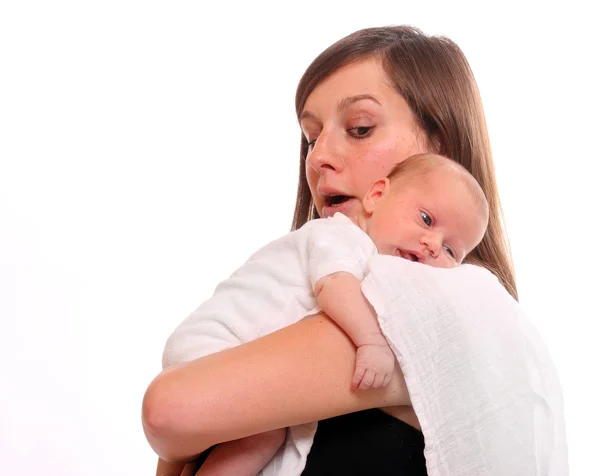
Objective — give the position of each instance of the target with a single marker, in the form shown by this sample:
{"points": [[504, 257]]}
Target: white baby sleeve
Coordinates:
{"points": [[336, 244]]}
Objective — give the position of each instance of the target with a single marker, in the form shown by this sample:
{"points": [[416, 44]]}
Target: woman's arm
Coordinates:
{"points": [[299, 374]]}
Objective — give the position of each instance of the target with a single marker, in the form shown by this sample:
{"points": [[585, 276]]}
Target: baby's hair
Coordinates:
{"points": [[421, 165]]}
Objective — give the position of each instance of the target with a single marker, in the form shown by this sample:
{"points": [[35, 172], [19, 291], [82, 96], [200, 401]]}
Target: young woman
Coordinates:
{"points": [[482, 388]]}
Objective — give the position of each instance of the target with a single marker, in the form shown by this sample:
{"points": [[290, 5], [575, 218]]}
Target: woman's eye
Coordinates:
{"points": [[426, 218], [449, 251], [361, 131], [311, 143]]}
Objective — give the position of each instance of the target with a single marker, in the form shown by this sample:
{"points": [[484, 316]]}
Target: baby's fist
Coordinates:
{"points": [[374, 366]]}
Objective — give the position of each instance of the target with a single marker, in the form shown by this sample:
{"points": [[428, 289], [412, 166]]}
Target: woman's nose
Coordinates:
{"points": [[325, 155]]}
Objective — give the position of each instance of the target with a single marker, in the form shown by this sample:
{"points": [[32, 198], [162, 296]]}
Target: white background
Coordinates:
{"points": [[148, 148]]}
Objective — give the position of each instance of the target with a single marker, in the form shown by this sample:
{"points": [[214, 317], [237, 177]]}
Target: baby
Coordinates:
{"points": [[428, 209]]}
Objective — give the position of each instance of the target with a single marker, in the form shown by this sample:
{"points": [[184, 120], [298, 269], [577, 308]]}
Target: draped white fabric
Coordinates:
{"points": [[480, 379]]}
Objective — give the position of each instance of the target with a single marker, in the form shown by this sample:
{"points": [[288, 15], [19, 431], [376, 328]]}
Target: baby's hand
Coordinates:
{"points": [[374, 366]]}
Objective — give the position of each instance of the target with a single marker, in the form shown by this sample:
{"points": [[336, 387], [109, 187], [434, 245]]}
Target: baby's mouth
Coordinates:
{"points": [[408, 255]]}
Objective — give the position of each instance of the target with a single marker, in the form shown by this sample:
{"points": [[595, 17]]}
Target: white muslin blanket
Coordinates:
{"points": [[480, 379]]}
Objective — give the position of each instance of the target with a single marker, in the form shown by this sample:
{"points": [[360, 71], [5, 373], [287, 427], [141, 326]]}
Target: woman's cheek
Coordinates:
{"points": [[378, 161], [312, 178]]}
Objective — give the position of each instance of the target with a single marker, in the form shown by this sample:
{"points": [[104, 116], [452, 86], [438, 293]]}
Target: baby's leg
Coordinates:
{"points": [[243, 457]]}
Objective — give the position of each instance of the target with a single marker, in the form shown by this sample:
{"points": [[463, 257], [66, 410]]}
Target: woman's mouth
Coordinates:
{"points": [[335, 203], [333, 200]]}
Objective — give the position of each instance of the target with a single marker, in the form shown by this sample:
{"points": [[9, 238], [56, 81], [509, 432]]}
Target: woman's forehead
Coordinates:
{"points": [[364, 78]]}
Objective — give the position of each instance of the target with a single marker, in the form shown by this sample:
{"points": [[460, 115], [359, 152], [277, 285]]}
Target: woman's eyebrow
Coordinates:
{"points": [[343, 104], [347, 102], [307, 115]]}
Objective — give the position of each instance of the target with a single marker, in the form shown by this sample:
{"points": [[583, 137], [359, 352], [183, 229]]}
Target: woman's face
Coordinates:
{"points": [[358, 127]]}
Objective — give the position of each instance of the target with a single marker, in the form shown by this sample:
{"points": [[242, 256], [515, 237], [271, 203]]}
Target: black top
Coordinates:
{"points": [[367, 443]]}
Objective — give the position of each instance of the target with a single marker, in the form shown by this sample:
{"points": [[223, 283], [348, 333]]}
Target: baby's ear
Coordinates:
{"points": [[377, 190]]}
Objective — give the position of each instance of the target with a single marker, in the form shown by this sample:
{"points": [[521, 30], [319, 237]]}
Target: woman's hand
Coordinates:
{"points": [[299, 374], [189, 470], [174, 469]]}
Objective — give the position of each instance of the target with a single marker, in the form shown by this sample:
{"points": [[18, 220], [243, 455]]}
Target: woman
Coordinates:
{"points": [[369, 101]]}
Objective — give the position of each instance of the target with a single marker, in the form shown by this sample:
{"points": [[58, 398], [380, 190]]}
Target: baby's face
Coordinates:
{"points": [[432, 220]]}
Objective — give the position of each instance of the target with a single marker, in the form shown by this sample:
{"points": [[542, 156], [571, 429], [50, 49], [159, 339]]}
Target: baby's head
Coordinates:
{"points": [[428, 209]]}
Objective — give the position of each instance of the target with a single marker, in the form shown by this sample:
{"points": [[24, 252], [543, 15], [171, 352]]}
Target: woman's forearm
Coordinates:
{"points": [[299, 374]]}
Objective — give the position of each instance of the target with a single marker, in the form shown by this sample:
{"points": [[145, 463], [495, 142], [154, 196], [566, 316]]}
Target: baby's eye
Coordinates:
{"points": [[426, 218], [449, 251]]}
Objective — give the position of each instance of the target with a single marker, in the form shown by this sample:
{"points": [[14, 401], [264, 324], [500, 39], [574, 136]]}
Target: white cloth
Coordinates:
{"points": [[272, 290], [480, 379]]}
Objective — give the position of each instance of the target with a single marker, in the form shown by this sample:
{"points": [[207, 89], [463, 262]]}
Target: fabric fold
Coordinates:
{"points": [[480, 379]]}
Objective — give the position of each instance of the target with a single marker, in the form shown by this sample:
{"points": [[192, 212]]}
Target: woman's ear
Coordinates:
{"points": [[379, 188]]}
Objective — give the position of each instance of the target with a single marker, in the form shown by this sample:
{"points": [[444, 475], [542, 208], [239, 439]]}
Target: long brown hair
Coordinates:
{"points": [[434, 77]]}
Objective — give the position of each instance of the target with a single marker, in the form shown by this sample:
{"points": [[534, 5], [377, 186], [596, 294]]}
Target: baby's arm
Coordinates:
{"points": [[341, 298], [243, 457]]}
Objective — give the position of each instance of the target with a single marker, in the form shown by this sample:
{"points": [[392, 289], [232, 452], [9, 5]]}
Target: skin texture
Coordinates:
{"points": [[301, 373]]}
